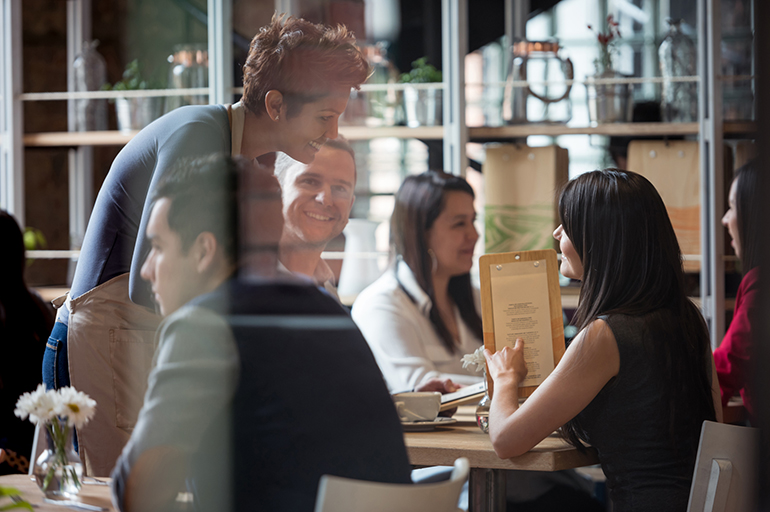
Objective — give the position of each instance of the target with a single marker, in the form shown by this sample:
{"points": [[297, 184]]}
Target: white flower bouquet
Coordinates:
{"points": [[477, 358], [482, 410], [59, 411]]}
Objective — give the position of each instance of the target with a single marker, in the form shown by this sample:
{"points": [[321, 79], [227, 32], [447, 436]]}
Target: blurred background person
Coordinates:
{"points": [[317, 200], [733, 357], [25, 321], [422, 315]]}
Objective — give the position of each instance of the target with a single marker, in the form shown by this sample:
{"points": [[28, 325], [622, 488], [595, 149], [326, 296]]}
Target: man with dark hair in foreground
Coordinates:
{"points": [[259, 385]]}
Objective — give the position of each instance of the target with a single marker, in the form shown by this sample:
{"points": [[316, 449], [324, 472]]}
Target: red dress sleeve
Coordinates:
{"points": [[733, 357]]}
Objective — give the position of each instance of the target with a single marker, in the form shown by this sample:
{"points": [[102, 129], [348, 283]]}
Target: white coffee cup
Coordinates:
{"points": [[417, 405]]}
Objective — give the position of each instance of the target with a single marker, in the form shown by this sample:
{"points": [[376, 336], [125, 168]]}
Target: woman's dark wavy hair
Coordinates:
{"points": [[419, 201], [632, 265], [747, 210]]}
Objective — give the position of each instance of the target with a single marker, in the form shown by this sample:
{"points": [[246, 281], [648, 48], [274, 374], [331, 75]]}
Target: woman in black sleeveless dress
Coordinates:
{"points": [[638, 380]]}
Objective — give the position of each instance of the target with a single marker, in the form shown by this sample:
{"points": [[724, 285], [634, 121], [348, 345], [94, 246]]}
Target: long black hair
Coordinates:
{"points": [[632, 265], [419, 201], [17, 305], [25, 323], [747, 210]]}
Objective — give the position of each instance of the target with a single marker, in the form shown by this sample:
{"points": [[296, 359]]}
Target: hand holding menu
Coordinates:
{"points": [[520, 298]]}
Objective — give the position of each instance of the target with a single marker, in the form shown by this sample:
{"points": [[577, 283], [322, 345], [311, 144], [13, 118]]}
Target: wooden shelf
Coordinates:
{"points": [[59, 139], [400, 132], [740, 127], [552, 130], [116, 138]]}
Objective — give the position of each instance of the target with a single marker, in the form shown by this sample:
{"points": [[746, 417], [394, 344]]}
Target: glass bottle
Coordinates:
{"points": [[678, 58], [188, 69], [90, 73]]}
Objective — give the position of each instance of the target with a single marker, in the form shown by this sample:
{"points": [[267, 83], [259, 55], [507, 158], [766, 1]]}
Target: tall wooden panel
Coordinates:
{"points": [[522, 186]]}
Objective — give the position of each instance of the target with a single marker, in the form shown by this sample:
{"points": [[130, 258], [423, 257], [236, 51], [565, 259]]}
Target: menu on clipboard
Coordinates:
{"points": [[520, 298]]}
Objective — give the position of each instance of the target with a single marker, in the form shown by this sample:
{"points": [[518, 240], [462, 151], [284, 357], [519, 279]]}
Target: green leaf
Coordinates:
{"points": [[132, 79], [34, 239], [18, 504], [12, 491], [421, 73]]}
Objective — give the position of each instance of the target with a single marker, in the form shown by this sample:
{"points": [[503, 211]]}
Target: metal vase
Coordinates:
{"points": [[608, 102], [136, 113], [422, 107]]}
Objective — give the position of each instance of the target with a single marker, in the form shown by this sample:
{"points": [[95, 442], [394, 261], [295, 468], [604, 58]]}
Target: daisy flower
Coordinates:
{"points": [[39, 405], [77, 407]]}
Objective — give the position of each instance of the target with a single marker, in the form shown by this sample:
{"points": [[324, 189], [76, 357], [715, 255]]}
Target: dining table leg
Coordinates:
{"points": [[486, 490]]}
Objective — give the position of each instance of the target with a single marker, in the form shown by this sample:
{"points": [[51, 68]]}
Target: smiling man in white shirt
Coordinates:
{"points": [[317, 200]]}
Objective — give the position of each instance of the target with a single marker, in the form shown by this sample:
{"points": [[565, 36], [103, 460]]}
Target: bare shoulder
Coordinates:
{"points": [[600, 333], [596, 343]]}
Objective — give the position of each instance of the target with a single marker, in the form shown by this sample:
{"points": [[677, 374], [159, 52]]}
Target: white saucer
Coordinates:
{"points": [[424, 426]]}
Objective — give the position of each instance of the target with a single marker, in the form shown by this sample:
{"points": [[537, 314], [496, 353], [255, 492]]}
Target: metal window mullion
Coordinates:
{"points": [[516, 16], [454, 47], [650, 63], [285, 7], [80, 159], [220, 51], [78, 30], [712, 280], [11, 124]]}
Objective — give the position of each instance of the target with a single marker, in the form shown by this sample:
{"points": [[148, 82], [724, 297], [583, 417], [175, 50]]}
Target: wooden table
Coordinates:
{"points": [[442, 446], [91, 494]]}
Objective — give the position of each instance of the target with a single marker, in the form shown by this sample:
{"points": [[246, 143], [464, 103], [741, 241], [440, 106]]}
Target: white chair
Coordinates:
{"points": [[337, 494], [725, 470]]}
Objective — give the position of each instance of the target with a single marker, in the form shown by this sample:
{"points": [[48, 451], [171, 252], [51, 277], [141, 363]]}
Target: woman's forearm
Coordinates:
{"points": [[505, 402]]}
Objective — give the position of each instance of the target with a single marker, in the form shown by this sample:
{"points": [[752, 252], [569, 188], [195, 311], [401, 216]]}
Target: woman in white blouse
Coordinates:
{"points": [[422, 315]]}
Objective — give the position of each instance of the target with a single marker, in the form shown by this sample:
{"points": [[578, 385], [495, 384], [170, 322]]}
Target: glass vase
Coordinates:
{"points": [[90, 73], [678, 57], [482, 410], [58, 471]]}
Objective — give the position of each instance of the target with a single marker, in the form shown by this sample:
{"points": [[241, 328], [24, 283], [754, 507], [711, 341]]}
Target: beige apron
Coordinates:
{"points": [[110, 345]]}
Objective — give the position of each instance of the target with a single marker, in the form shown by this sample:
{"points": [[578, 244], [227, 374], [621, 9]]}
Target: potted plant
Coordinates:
{"points": [[608, 102], [422, 106], [134, 113]]}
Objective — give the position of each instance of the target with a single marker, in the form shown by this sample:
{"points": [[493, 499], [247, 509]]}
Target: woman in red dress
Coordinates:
{"points": [[733, 357]]}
